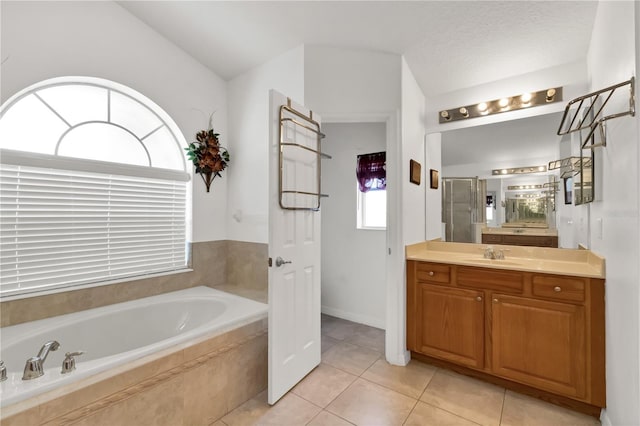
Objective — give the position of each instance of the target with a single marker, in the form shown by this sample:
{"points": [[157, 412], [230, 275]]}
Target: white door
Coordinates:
{"points": [[294, 237]]}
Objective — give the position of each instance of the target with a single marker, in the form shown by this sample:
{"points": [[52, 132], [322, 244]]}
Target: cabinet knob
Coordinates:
{"points": [[557, 289], [431, 273], [495, 300], [479, 299]]}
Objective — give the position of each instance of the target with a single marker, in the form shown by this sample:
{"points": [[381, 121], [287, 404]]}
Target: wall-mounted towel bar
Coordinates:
{"points": [[586, 112], [293, 163]]}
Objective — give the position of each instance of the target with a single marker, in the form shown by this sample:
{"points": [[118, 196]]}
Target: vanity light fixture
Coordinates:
{"points": [[510, 103], [521, 187], [519, 170]]}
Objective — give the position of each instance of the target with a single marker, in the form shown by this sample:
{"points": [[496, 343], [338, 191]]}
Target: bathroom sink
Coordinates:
{"points": [[502, 262]]}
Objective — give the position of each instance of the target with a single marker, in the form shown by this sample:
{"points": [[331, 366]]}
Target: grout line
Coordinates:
{"points": [[410, 412], [504, 397], [450, 412], [391, 389]]}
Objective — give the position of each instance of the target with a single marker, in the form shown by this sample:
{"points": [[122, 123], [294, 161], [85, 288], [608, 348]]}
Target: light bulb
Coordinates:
{"points": [[525, 98], [482, 107], [551, 93], [503, 102]]}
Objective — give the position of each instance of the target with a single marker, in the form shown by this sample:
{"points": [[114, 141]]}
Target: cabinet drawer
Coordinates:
{"points": [[491, 239], [558, 288], [492, 279], [433, 273], [528, 240]]}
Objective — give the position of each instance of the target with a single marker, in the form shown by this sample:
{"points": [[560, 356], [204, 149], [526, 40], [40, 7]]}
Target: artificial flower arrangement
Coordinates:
{"points": [[209, 157]]}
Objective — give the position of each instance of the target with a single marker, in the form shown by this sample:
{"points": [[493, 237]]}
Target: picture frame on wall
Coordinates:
{"points": [[434, 179], [415, 170]]}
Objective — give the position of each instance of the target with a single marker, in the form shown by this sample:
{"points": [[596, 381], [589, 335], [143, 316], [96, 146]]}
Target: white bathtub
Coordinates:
{"points": [[116, 334]]}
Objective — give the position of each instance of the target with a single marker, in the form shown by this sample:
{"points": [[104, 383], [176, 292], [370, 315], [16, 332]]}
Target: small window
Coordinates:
{"points": [[372, 194]]}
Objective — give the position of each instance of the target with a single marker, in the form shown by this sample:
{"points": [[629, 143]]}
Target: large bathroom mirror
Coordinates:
{"points": [[526, 200]]}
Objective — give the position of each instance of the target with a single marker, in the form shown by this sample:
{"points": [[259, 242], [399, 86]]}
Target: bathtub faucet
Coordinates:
{"points": [[34, 366]]}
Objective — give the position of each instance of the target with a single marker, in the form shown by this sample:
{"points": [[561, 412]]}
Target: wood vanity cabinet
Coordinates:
{"points": [[540, 330], [521, 240]]}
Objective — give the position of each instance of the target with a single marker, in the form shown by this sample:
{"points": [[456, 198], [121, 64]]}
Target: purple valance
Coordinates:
{"points": [[371, 171]]}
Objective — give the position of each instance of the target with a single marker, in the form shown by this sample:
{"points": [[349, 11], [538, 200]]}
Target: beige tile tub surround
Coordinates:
{"points": [[193, 385], [247, 265], [233, 266]]}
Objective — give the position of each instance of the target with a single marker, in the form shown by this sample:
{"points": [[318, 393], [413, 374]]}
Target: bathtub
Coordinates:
{"points": [[117, 334]]}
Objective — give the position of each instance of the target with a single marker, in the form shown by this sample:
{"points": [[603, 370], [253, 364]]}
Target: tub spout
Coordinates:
{"points": [[34, 367]]}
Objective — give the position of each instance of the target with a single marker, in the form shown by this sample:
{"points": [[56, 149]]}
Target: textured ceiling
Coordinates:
{"points": [[448, 45]]}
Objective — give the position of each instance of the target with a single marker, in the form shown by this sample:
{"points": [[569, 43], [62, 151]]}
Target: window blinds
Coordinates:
{"points": [[61, 228]]}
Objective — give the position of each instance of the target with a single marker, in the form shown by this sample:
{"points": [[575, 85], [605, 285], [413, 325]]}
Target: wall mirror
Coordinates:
{"points": [[513, 201]]}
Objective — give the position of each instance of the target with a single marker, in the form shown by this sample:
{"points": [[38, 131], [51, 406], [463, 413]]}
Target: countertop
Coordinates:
{"points": [[574, 262]]}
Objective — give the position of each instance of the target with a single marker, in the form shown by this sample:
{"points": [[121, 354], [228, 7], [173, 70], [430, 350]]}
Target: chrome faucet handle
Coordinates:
{"points": [[489, 253], [69, 363], [3, 372], [499, 254], [34, 366]]}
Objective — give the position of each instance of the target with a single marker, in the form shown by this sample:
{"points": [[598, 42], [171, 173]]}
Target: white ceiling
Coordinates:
{"points": [[448, 45]]}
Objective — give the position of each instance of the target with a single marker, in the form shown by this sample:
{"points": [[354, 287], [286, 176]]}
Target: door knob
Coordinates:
{"points": [[280, 261]]}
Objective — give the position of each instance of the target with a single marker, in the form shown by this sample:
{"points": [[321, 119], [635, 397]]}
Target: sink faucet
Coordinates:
{"points": [[34, 366], [490, 253]]}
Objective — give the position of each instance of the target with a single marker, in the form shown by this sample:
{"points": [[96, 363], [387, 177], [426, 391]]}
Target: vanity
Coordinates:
{"points": [[524, 235], [527, 318]]}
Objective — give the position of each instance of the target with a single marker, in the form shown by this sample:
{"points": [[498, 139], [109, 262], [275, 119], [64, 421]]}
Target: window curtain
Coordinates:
{"points": [[371, 171]]}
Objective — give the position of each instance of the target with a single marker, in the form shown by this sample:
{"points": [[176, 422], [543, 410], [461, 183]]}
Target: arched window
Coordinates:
{"points": [[93, 187]]}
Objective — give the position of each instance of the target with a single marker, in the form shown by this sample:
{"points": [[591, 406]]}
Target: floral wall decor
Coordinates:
{"points": [[209, 157]]}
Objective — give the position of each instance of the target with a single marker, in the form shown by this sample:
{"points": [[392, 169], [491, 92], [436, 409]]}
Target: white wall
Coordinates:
{"points": [[345, 82], [42, 40], [613, 220], [572, 77], [413, 148], [353, 260], [249, 134]]}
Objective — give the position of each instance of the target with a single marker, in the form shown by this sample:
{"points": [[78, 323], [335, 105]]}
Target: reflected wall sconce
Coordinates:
{"points": [[518, 170], [521, 187], [496, 106]]}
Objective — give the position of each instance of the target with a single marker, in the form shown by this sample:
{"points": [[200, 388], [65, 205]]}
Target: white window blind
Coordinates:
{"points": [[94, 192], [62, 228]]}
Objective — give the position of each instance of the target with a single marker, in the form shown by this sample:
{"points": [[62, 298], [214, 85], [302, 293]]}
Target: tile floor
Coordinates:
{"points": [[354, 385]]}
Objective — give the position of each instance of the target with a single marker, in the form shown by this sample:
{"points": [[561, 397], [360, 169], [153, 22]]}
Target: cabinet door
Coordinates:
{"points": [[539, 343], [450, 324]]}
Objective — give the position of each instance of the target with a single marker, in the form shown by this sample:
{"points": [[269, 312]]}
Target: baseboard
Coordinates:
{"points": [[604, 418], [402, 359], [349, 316]]}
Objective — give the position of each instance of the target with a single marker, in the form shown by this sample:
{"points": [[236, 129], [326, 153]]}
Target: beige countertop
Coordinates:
{"points": [[540, 232], [575, 262]]}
